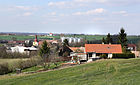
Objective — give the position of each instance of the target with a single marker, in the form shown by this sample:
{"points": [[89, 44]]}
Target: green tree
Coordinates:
{"points": [[108, 39], [44, 52], [123, 39], [66, 42], [14, 38], [103, 40]]}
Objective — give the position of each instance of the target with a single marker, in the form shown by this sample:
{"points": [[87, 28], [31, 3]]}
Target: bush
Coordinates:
{"points": [[29, 63], [104, 56], [21, 64], [4, 69], [124, 55], [4, 54]]}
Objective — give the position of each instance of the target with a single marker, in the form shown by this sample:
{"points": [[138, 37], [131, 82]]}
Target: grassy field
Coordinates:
{"points": [[8, 60], [23, 37], [131, 39], [103, 72]]}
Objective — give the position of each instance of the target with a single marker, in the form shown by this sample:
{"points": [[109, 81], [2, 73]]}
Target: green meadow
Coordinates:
{"points": [[102, 72]]}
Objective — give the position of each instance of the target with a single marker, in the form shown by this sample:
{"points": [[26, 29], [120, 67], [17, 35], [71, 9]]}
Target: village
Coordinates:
{"points": [[69, 42], [68, 50]]}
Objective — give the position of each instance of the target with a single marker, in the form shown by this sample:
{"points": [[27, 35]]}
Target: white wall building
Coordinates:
{"points": [[71, 39], [22, 49]]}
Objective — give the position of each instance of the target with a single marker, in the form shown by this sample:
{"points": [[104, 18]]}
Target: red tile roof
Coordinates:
{"points": [[75, 49], [103, 48], [132, 45]]}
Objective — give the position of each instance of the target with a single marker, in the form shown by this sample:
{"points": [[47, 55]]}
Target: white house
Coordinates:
{"points": [[22, 49], [96, 50]]}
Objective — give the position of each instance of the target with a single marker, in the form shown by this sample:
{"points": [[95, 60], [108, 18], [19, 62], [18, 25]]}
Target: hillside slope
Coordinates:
{"points": [[103, 72]]}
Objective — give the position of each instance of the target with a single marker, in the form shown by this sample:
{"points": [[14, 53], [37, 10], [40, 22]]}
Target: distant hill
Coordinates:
{"points": [[24, 36]]}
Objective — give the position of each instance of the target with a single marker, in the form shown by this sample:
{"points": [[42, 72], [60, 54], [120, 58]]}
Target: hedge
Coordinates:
{"points": [[22, 64], [124, 55]]}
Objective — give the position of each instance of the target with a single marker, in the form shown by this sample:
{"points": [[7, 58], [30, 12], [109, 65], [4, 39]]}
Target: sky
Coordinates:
{"points": [[70, 16]]}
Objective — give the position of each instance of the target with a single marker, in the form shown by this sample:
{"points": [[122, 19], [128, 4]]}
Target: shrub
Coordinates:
{"points": [[124, 55], [4, 68], [104, 56], [29, 63], [4, 54], [21, 64]]}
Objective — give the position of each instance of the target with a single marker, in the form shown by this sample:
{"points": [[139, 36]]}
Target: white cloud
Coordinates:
{"points": [[82, 0], [52, 13], [124, 13], [27, 14], [26, 8], [88, 1], [90, 12], [98, 19], [57, 3]]}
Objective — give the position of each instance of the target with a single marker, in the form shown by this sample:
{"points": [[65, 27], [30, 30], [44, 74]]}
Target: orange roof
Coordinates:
{"points": [[49, 41], [75, 49], [103, 48]]}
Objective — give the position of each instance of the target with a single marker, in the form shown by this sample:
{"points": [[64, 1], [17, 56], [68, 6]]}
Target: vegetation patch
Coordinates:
{"points": [[103, 72]]}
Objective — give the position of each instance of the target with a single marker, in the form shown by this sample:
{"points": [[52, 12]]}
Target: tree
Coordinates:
{"points": [[123, 39], [103, 40], [44, 52], [108, 39], [14, 38], [66, 42]]}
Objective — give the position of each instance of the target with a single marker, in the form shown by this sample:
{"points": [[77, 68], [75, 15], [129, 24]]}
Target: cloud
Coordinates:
{"points": [[61, 3], [52, 13], [89, 1], [26, 8], [91, 12], [25, 14], [124, 13]]}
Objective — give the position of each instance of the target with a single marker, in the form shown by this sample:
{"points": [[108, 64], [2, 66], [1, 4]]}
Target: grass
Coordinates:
{"points": [[104, 72], [24, 37], [131, 39], [11, 61], [8, 60], [39, 67], [12, 64]]}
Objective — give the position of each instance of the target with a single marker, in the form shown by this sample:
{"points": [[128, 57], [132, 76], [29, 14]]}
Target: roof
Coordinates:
{"points": [[132, 45], [103, 48], [77, 49], [49, 41]]}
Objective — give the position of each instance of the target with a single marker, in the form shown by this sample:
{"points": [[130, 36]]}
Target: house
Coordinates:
{"points": [[50, 34], [94, 51], [64, 51], [78, 52], [21, 49], [132, 47], [137, 53], [49, 41]]}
